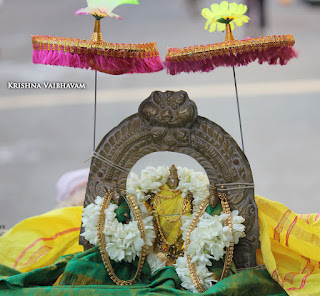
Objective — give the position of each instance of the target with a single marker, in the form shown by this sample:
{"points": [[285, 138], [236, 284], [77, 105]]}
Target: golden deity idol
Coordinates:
{"points": [[168, 206]]}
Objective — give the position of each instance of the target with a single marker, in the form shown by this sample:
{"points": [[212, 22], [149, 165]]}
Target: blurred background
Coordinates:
{"points": [[48, 132]]}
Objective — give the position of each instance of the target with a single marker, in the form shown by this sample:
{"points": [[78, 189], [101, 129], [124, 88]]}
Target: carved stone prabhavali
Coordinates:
{"points": [[169, 121]]}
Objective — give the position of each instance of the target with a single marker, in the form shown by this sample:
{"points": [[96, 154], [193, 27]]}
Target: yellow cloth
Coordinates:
{"points": [[41, 240], [290, 247], [171, 210]]}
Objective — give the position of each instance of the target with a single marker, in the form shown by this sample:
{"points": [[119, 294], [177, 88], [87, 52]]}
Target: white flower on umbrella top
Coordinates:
{"points": [[102, 8]]}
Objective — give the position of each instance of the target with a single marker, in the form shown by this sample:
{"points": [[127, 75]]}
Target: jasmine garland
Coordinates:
{"points": [[123, 241]]}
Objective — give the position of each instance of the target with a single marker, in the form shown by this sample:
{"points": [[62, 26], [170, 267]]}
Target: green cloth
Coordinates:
{"points": [[121, 211], [84, 274], [13, 279]]}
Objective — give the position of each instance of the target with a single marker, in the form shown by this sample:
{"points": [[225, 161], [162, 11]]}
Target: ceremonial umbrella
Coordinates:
{"points": [[230, 53], [96, 54]]}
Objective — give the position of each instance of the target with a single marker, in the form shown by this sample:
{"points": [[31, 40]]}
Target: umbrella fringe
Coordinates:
{"points": [[272, 50], [110, 58]]}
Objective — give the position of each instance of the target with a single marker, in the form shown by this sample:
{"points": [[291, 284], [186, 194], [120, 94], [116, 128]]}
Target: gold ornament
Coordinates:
{"points": [[229, 252], [102, 240]]}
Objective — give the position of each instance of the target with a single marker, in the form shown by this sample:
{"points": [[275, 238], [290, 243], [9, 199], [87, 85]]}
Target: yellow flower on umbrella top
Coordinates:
{"points": [[225, 13]]}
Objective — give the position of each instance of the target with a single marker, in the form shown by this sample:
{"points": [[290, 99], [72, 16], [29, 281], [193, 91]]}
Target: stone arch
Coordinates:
{"points": [[168, 121]]}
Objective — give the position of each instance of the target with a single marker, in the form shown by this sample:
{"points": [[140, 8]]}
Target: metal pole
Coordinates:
{"points": [[95, 111], [238, 106]]}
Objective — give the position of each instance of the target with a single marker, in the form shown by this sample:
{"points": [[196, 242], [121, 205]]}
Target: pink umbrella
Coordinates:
{"points": [[96, 54], [230, 53]]}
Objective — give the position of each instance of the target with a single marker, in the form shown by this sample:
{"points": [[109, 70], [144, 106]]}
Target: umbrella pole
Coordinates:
{"points": [[95, 111], [96, 37], [238, 106]]}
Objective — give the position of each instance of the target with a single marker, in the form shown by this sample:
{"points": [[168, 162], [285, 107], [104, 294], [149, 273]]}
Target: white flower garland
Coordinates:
{"points": [[123, 241], [183, 271], [208, 241]]}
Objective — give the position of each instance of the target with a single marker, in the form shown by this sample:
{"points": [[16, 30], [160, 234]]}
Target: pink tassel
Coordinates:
{"points": [[147, 65], [69, 62], [55, 57], [84, 64], [47, 57], [154, 64], [76, 61], [35, 56], [41, 56], [112, 65], [61, 60]]}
